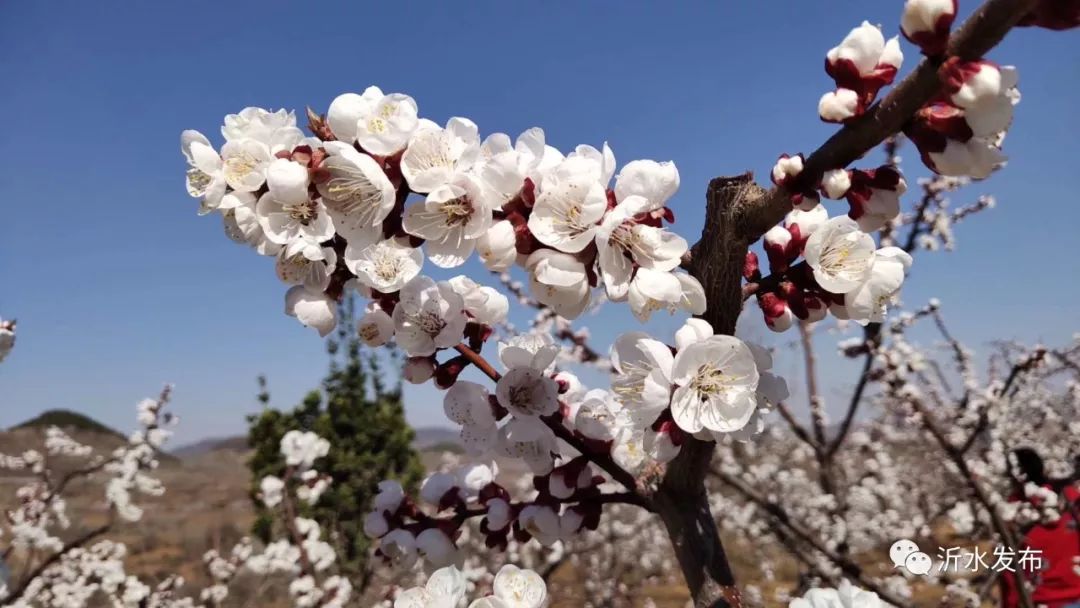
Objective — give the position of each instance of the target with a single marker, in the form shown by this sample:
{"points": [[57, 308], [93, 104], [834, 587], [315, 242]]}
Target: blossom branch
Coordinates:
{"points": [[604, 461], [981, 32], [289, 507], [75, 543]]}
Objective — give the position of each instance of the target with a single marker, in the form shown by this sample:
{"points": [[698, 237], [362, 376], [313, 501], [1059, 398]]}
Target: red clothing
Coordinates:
{"points": [[1058, 582]]}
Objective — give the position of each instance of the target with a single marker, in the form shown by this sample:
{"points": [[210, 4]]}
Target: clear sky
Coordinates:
{"points": [[118, 286]]}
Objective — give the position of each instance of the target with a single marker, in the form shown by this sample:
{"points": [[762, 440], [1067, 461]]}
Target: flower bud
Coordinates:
{"points": [[497, 247], [418, 370], [776, 242], [570, 523], [786, 168], [436, 547], [835, 183], [840, 105], [751, 268], [499, 514], [375, 525], [440, 490], [390, 496], [476, 476], [926, 24]]}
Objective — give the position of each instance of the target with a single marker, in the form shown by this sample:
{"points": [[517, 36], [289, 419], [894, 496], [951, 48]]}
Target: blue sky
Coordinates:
{"points": [[118, 286]]}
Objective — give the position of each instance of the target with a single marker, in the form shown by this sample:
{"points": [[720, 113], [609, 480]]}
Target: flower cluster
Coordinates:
{"points": [[861, 65], [961, 131], [513, 588], [7, 338], [846, 596], [335, 210], [843, 271], [705, 386]]}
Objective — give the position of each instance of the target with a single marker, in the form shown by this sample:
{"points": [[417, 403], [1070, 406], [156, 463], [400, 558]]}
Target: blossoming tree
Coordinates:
{"points": [[375, 195], [378, 192]]}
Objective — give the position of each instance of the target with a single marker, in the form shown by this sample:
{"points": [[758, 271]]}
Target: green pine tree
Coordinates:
{"points": [[363, 418]]}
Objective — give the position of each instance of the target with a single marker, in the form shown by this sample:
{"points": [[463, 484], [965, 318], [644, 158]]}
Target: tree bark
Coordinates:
{"points": [[681, 500]]}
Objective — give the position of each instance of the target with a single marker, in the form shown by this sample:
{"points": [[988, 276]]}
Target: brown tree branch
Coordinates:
{"points": [[872, 333], [604, 461], [796, 428], [980, 33]]}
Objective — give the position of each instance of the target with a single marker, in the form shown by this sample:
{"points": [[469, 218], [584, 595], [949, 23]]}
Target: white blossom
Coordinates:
{"points": [[484, 304], [270, 489], [312, 308], [357, 194], [429, 316], [444, 589], [642, 376], [534, 350], [527, 391], [559, 280], [867, 303], [622, 242], [434, 156], [286, 212], [385, 266], [542, 522], [716, 381], [302, 448], [346, 111], [654, 181], [570, 203], [387, 127], [453, 216], [497, 246], [389, 497], [531, 441], [840, 254]]}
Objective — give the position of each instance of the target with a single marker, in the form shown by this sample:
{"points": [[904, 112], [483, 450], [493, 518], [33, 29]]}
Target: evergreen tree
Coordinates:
{"points": [[364, 419]]}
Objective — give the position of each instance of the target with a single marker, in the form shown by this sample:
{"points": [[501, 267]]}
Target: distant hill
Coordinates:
{"points": [[236, 443], [81, 428], [435, 439], [442, 438], [67, 419]]}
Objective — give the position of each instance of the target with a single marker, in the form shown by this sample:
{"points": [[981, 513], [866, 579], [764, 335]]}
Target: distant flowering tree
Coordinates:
{"points": [[337, 211], [61, 565], [363, 420]]}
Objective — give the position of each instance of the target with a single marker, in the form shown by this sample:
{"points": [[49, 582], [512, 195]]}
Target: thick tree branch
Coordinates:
{"points": [[738, 212]]}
